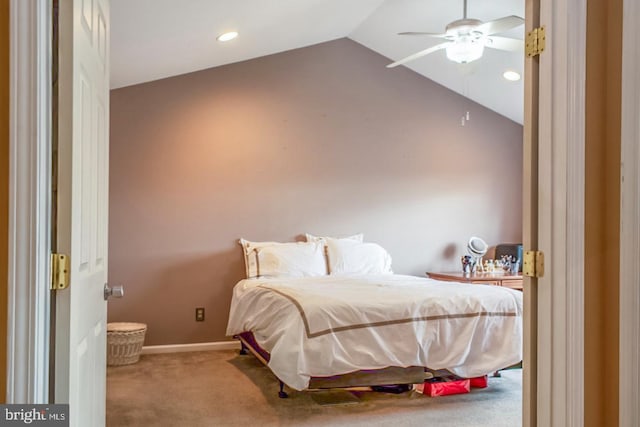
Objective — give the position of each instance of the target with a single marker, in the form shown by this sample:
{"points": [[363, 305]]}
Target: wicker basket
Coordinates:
{"points": [[124, 342]]}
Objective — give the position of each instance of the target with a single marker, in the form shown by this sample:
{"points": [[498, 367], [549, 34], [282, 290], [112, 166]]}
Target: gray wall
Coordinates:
{"points": [[322, 139]]}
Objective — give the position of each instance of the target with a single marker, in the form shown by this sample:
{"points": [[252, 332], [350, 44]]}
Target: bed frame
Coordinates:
{"points": [[392, 375]]}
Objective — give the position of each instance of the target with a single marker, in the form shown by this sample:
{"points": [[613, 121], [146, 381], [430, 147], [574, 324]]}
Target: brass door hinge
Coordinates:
{"points": [[533, 265], [59, 272], [535, 42]]}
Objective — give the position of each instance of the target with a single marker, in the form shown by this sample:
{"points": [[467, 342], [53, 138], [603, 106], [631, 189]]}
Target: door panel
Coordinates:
{"points": [[555, 198], [80, 377]]}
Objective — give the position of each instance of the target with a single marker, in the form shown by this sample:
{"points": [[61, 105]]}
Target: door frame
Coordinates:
{"points": [[630, 220], [562, 68], [28, 327]]}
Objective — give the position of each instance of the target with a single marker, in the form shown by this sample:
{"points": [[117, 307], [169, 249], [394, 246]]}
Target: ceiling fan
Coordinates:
{"points": [[466, 38]]}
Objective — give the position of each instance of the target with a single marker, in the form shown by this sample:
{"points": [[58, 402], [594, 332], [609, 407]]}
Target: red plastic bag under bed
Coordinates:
{"points": [[443, 386], [479, 382]]}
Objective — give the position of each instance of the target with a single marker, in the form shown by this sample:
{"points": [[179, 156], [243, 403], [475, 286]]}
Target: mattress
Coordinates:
{"points": [[324, 326]]}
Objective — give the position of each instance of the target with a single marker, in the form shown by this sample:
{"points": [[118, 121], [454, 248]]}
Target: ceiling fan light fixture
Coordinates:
{"points": [[465, 50], [512, 76], [466, 39], [225, 37]]}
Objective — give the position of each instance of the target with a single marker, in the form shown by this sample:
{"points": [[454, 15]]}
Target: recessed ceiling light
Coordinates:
{"points": [[512, 76], [227, 36]]}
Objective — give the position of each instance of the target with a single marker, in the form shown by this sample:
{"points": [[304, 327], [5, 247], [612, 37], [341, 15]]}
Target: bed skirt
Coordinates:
{"points": [[391, 375]]}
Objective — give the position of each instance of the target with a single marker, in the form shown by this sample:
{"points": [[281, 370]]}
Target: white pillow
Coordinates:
{"points": [[312, 238], [250, 250], [347, 256], [291, 260]]}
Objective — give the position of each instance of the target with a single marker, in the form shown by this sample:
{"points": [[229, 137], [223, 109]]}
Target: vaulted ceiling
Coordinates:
{"points": [[155, 39]]}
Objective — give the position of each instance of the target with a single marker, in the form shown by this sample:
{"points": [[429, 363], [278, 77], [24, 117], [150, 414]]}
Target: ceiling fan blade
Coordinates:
{"points": [[418, 33], [419, 54], [505, 43], [500, 25]]}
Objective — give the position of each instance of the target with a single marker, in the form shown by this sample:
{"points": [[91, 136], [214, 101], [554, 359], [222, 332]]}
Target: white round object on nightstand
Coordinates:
{"points": [[477, 246]]}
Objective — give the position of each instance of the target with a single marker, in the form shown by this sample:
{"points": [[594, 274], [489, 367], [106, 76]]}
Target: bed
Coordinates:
{"points": [[374, 327]]}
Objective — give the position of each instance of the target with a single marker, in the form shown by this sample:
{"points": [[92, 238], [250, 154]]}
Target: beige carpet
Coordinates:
{"points": [[222, 388]]}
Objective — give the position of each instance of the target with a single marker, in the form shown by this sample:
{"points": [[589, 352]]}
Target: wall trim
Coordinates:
{"points": [[183, 348], [629, 381], [29, 202], [560, 393]]}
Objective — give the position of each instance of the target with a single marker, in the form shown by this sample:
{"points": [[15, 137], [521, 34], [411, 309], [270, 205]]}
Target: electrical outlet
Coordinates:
{"points": [[199, 314]]}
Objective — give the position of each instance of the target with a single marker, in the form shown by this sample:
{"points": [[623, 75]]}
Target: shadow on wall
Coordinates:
{"points": [[450, 251]]}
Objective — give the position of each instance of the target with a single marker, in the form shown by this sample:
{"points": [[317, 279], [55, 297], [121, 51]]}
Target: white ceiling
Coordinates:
{"points": [[154, 39]]}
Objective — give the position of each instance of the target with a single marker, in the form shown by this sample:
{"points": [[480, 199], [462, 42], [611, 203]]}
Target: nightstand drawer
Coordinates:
{"points": [[497, 278], [513, 284], [486, 282]]}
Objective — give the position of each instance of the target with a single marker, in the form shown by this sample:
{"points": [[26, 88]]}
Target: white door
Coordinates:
{"points": [[554, 216], [82, 208]]}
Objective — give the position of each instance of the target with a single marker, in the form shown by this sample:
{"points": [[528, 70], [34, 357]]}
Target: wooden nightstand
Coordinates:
{"points": [[497, 279]]}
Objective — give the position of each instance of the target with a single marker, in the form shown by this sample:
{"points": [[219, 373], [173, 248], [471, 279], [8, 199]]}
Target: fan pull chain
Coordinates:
{"points": [[464, 119]]}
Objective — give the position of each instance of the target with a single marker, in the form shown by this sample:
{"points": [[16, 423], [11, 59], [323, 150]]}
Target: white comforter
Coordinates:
{"points": [[324, 326]]}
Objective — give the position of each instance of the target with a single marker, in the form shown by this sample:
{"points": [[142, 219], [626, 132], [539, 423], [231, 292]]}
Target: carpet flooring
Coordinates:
{"points": [[223, 388]]}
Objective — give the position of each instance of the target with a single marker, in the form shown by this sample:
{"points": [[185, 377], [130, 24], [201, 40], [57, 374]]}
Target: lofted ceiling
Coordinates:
{"points": [[155, 39]]}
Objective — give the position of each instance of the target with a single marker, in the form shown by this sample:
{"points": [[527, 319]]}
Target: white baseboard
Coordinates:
{"points": [[181, 348]]}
